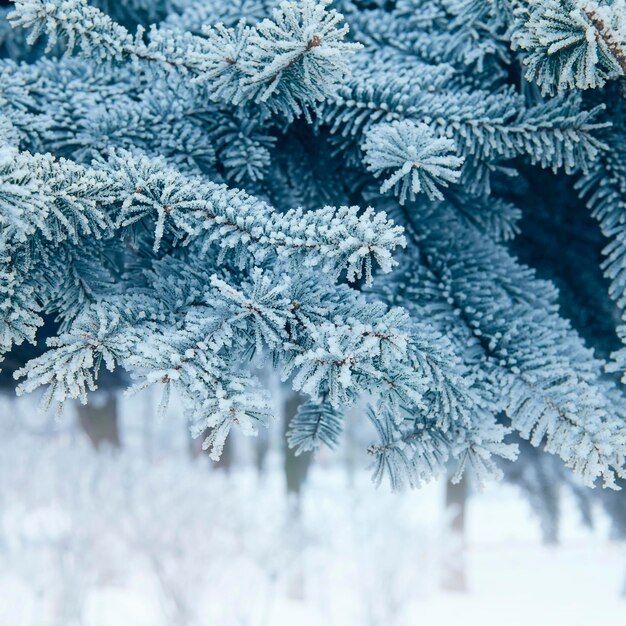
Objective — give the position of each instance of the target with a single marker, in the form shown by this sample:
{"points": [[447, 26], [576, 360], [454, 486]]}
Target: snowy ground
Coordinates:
{"points": [[517, 581], [121, 540]]}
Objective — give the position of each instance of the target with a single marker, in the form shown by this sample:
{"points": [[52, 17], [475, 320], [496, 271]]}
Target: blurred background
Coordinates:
{"points": [[112, 517]]}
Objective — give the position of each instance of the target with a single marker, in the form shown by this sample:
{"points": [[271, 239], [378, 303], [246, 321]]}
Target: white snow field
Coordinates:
{"points": [[159, 539]]}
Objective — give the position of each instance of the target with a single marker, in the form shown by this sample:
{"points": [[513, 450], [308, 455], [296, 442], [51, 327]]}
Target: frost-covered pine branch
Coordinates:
{"points": [[411, 129], [470, 286], [319, 337], [571, 43], [422, 162], [290, 62]]}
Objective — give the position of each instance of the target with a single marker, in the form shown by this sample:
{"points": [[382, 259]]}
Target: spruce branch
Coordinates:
{"points": [[571, 43], [422, 162], [290, 61]]}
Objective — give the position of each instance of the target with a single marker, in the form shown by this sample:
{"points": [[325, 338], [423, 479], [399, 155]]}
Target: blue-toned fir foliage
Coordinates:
{"points": [[392, 204]]}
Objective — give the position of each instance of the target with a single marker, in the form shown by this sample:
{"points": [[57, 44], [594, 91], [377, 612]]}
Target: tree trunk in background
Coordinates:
{"points": [[261, 449], [454, 575], [350, 447], [296, 467], [148, 416], [296, 471], [98, 419]]}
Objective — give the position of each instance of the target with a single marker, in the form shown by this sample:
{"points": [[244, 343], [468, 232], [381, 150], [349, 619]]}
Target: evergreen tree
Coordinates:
{"points": [[334, 191]]}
